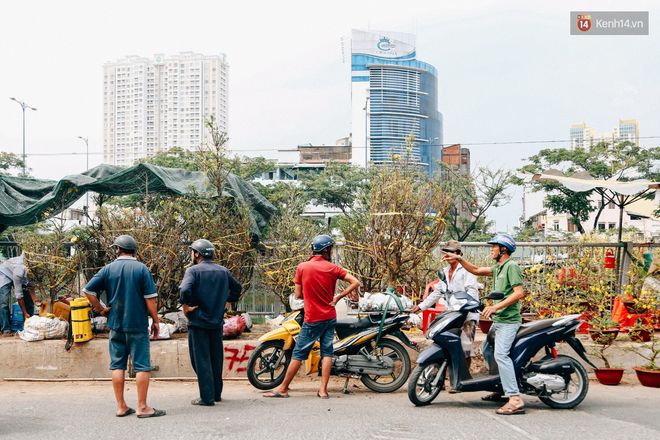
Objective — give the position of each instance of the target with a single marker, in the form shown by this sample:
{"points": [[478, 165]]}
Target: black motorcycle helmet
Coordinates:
{"points": [[204, 247], [320, 243]]}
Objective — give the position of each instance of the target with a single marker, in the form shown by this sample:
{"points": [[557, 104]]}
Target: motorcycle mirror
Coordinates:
{"points": [[441, 276], [495, 295]]}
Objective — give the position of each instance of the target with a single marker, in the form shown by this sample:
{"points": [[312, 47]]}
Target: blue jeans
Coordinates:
{"points": [[5, 303], [505, 334], [322, 331]]}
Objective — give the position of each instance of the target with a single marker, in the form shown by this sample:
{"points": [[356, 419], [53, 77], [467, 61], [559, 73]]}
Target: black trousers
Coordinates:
{"points": [[206, 356]]}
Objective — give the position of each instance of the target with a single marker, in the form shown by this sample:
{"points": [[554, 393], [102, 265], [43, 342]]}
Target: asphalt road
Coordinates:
{"points": [[72, 410]]}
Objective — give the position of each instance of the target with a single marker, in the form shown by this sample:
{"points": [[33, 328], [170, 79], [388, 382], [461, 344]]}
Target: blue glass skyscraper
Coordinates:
{"points": [[393, 96]]}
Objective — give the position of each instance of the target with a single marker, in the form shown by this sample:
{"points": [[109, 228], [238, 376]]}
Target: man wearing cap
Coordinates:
{"points": [[132, 299], [458, 280], [316, 281], [205, 291], [507, 278]]}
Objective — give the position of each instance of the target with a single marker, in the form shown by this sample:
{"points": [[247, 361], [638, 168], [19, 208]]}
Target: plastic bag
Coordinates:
{"points": [[37, 328], [248, 320], [378, 301], [99, 323], [164, 330], [179, 320], [415, 320], [233, 327], [274, 323], [296, 303]]}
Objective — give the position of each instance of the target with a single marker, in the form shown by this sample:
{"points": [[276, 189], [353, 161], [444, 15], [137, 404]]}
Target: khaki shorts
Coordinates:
{"points": [[467, 337]]}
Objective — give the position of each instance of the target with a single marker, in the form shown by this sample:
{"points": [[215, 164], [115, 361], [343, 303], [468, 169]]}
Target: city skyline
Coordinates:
{"points": [[511, 78]]}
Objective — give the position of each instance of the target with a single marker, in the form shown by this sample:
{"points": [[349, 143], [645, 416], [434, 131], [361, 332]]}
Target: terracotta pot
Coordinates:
{"points": [[648, 378], [605, 336], [484, 325], [609, 376], [640, 335]]}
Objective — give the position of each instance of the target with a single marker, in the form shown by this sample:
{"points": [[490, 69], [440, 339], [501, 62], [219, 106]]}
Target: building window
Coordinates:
{"points": [[601, 226]]}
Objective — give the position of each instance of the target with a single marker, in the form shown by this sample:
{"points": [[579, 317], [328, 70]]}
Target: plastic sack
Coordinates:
{"points": [[179, 320], [274, 323], [37, 328], [378, 301], [233, 327], [248, 320], [99, 323], [296, 303], [164, 330], [415, 320]]}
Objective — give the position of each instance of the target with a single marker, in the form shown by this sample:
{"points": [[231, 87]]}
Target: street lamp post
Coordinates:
{"points": [[366, 132], [87, 193], [23, 106]]}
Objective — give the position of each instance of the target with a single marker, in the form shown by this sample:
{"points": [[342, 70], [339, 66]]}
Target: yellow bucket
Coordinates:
{"points": [[81, 324]]}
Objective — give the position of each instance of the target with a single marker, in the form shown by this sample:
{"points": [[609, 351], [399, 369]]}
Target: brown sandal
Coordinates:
{"points": [[510, 409]]}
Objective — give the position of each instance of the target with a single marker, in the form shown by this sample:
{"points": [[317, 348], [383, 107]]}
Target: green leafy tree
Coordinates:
{"points": [[10, 161], [338, 185], [622, 161]]}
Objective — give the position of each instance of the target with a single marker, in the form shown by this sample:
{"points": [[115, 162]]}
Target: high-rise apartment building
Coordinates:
{"points": [[152, 105], [583, 136], [393, 95]]}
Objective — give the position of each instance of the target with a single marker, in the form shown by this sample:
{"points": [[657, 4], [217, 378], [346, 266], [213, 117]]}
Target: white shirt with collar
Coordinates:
{"points": [[461, 281]]}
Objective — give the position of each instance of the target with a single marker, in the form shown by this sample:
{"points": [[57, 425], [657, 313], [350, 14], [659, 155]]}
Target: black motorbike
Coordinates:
{"points": [[559, 381]]}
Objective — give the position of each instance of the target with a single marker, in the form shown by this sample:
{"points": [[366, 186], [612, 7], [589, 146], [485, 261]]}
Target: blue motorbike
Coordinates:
{"points": [[559, 381]]}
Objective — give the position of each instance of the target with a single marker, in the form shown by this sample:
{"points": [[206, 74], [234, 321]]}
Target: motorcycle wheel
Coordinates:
{"points": [[394, 381], [421, 390], [575, 391], [263, 371]]}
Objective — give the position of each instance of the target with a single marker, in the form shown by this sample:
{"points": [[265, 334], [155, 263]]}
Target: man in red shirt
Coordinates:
{"points": [[316, 280]]}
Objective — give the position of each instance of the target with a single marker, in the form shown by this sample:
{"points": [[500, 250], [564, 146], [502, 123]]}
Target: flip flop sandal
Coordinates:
{"points": [[275, 394], [128, 412], [494, 397], [322, 397], [200, 402], [510, 409], [156, 413]]}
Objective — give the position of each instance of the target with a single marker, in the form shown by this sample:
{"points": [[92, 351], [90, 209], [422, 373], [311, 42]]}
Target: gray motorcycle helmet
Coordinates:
{"points": [[124, 242], [204, 247]]}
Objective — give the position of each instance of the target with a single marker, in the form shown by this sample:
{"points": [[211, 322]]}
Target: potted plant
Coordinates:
{"points": [[649, 374], [607, 375], [603, 329], [641, 331]]}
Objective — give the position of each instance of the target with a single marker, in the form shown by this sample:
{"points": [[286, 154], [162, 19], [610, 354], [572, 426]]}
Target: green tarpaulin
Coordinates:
{"points": [[25, 201]]}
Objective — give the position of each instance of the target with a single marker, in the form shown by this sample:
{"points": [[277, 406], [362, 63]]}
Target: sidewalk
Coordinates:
{"points": [[170, 359]]}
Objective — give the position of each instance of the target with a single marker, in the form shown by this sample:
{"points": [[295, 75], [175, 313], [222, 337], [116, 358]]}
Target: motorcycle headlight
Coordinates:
{"points": [[441, 325]]}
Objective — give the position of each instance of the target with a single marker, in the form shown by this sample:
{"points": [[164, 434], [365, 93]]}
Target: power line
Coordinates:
{"points": [[471, 144]]}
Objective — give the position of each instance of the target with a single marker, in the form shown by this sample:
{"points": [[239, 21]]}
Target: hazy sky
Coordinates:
{"points": [[508, 72]]}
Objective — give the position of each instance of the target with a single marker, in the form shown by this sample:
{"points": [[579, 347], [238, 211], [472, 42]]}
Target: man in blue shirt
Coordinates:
{"points": [[205, 290], [132, 296]]}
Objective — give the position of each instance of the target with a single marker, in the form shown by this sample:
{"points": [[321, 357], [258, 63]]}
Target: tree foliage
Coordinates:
{"points": [[482, 189], [622, 161], [396, 225]]}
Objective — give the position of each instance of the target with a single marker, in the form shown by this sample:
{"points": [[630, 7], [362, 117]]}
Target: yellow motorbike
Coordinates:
{"points": [[364, 349]]}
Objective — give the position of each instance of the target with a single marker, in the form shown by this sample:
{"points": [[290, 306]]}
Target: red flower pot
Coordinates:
{"points": [[609, 376], [648, 378], [640, 335], [484, 325], [603, 336]]}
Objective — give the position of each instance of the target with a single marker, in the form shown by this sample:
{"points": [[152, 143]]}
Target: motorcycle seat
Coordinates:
{"points": [[527, 329], [354, 323]]}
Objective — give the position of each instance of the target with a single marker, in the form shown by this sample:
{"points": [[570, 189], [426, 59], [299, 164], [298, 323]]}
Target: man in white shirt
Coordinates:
{"points": [[459, 280]]}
